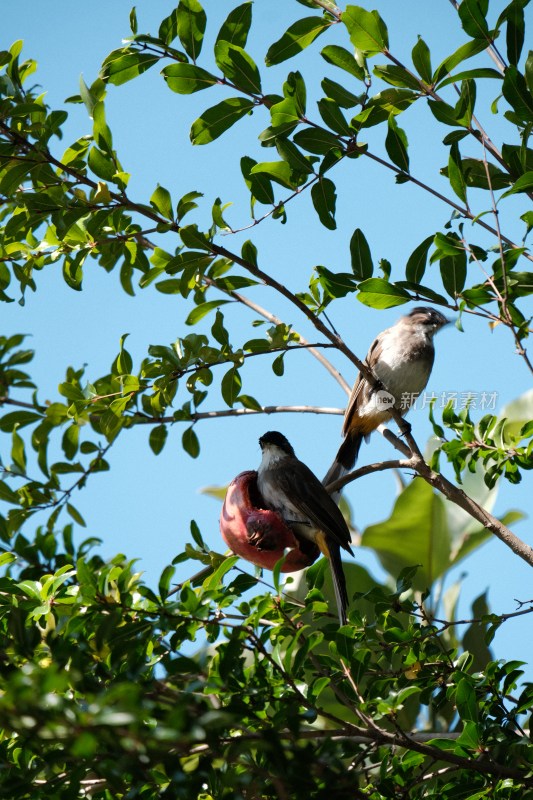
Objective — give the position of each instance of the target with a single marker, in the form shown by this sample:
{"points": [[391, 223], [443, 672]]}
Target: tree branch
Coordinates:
{"points": [[453, 493], [236, 412], [368, 469]]}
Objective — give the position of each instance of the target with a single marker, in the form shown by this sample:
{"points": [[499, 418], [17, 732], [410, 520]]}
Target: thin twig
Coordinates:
{"points": [[275, 207], [276, 321], [461, 209], [236, 412]]}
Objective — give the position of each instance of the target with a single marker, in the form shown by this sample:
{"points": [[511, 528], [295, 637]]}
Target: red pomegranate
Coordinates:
{"points": [[259, 535]]}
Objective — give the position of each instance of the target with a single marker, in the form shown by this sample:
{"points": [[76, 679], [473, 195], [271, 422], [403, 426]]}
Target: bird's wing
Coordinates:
{"points": [[360, 384], [310, 498]]}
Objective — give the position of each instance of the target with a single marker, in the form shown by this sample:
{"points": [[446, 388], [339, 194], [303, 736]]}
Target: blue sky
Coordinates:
{"points": [[143, 507]]}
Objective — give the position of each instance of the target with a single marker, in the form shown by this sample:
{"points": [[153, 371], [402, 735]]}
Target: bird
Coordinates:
{"points": [[289, 487], [401, 357]]}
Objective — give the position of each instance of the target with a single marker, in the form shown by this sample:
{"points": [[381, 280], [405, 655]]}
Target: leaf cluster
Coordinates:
{"points": [[197, 691]]}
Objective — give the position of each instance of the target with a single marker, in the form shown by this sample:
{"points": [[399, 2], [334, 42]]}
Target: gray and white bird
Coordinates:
{"points": [[289, 487], [401, 357]]}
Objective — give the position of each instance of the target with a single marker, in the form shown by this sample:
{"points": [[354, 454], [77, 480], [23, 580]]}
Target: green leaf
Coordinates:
{"points": [[453, 273], [294, 89], [443, 112], [237, 25], [416, 263], [368, 32], [76, 516], [7, 558], [455, 172], [164, 581], [472, 14], [422, 60], [333, 116], [397, 76], [88, 97], [190, 443], [122, 66], [324, 196], [468, 74], [189, 259], [462, 53], [231, 386], [523, 184], [18, 418], [342, 58], [133, 21], [217, 119], [279, 171], [162, 202], [340, 94], [415, 533], [379, 293], [316, 140], [389, 101], [362, 266], [188, 78], [214, 581], [249, 402], [514, 15], [396, 144], [446, 244], [470, 738], [249, 252], [124, 363], [187, 204], [466, 702], [192, 237], [217, 212], [475, 174], [290, 153], [284, 117], [529, 71], [278, 365], [70, 441], [295, 39], [101, 164], [168, 29], [336, 284], [73, 270], [238, 67], [18, 452], [219, 331], [191, 21], [517, 94], [101, 132], [466, 102], [157, 439], [7, 495], [201, 311]]}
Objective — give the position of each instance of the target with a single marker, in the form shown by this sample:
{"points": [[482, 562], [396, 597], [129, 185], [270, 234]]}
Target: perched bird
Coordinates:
{"points": [[289, 487], [401, 357]]}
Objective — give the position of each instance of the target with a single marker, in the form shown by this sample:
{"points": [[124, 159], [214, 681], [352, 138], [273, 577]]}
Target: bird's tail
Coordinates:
{"points": [[339, 581], [331, 549], [344, 461]]}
